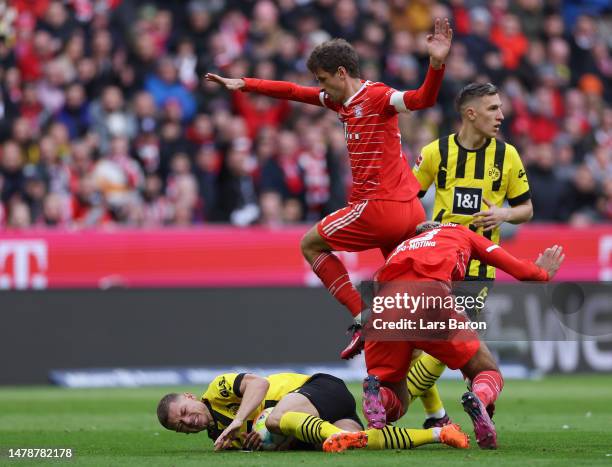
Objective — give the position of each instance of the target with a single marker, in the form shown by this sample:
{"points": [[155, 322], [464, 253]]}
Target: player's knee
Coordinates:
{"points": [[306, 243], [273, 421], [311, 246]]}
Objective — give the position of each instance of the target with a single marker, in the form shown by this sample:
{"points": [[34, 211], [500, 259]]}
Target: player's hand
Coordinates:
{"points": [[229, 83], [224, 441], [438, 43], [551, 260], [252, 441], [492, 217]]}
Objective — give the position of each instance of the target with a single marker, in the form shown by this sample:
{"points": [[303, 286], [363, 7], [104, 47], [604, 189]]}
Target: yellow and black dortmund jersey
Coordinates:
{"points": [[223, 398], [463, 177]]}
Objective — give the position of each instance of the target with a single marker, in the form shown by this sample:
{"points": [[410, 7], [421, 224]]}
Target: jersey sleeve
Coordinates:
{"points": [[518, 186], [225, 387], [424, 169], [290, 91], [425, 96], [492, 254]]}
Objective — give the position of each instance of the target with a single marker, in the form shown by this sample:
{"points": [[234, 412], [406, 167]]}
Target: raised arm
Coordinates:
{"points": [[438, 47], [543, 269], [277, 89]]}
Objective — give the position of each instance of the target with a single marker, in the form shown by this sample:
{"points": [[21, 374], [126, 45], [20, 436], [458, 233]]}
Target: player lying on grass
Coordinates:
{"points": [[307, 408], [426, 265]]}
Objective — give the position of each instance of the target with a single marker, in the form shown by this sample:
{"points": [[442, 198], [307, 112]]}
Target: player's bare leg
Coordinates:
{"points": [[486, 382], [335, 277], [384, 402], [293, 402]]}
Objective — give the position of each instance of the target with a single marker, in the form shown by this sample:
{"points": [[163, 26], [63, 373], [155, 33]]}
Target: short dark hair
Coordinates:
{"points": [[427, 225], [332, 54], [164, 406], [472, 91]]}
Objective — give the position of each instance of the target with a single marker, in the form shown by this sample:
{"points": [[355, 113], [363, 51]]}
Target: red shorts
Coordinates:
{"points": [[371, 224], [388, 353]]}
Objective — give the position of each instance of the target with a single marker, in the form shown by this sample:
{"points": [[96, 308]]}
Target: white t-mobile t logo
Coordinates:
{"points": [[20, 251]]}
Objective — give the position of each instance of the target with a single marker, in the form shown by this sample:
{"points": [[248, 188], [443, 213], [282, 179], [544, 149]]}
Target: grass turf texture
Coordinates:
{"points": [[554, 421]]}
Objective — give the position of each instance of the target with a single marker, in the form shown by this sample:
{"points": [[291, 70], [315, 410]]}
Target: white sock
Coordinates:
{"points": [[437, 414], [436, 433]]}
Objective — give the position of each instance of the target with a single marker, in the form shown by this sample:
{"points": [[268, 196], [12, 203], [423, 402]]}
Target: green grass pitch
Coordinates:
{"points": [[554, 421]]}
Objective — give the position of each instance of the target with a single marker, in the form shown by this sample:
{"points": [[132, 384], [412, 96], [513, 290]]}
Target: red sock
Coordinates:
{"points": [[487, 385], [392, 404], [334, 276]]}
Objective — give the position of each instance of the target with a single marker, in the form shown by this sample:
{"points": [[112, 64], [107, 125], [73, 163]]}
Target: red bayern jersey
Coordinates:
{"points": [[370, 119], [443, 254]]}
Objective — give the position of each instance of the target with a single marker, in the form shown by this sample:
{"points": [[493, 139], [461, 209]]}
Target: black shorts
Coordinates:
{"points": [[331, 398]]}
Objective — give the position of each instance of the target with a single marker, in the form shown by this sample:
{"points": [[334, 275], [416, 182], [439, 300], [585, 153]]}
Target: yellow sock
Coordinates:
{"points": [[392, 437], [306, 427], [423, 374], [432, 402]]}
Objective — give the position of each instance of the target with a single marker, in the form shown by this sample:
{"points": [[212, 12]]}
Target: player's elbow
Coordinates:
{"points": [[256, 383]]}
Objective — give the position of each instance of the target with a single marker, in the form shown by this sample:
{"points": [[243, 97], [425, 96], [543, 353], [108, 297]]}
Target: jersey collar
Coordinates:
{"points": [[484, 146], [350, 99]]}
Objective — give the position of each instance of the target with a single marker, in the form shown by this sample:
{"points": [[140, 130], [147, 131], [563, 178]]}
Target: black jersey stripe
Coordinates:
{"points": [[461, 161], [479, 165], [442, 168], [519, 199], [500, 152], [482, 267], [440, 215], [237, 383]]}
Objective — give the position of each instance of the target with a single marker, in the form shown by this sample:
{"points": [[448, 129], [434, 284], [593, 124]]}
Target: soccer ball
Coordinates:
{"points": [[271, 441]]}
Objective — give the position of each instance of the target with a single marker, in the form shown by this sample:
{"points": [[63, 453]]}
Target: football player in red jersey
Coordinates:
{"points": [[383, 208], [426, 265]]}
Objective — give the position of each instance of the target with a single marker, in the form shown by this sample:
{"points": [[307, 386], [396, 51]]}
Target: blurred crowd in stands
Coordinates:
{"points": [[105, 118]]}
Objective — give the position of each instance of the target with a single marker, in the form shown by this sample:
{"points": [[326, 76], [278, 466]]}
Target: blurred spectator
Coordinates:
{"points": [[509, 37], [110, 118], [105, 117], [88, 206], [19, 216], [75, 113], [11, 170], [237, 196], [271, 203], [543, 180], [206, 170], [165, 87], [580, 200], [35, 190]]}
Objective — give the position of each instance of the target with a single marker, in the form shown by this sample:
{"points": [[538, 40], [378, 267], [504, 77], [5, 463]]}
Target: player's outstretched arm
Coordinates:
{"points": [[277, 89], [489, 253], [550, 260], [231, 84], [439, 43]]}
